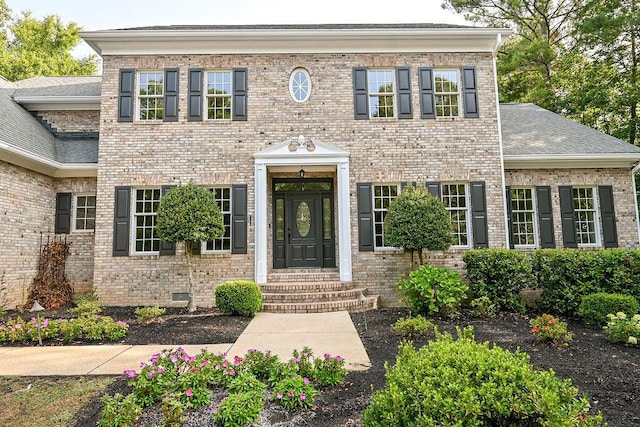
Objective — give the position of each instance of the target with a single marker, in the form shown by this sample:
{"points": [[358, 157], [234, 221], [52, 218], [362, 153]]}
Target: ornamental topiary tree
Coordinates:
{"points": [[416, 220], [189, 214]]}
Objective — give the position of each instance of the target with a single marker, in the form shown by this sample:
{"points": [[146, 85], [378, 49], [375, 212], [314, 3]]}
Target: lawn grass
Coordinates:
{"points": [[47, 401]]}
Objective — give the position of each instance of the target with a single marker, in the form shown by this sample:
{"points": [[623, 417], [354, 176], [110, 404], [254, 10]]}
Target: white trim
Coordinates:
{"points": [[28, 160], [53, 103], [596, 215], [291, 82], [570, 161], [302, 153], [634, 171], [469, 213], [459, 95], [534, 211], [74, 212], [503, 178], [133, 222]]}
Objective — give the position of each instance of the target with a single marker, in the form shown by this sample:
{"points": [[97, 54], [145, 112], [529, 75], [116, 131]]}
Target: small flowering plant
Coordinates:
{"points": [[329, 370], [293, 392], [549, 329], [88, 327], [621, 328]]}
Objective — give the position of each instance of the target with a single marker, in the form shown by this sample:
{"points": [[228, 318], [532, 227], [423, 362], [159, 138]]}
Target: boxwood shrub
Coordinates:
{"points": [[239, 297], [594, 308], [462, 383]]}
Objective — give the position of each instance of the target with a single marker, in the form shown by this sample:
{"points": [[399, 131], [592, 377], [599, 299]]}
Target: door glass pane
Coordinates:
{"points": [[326, 218], [303, 219], [303, 186], [280, 219]]}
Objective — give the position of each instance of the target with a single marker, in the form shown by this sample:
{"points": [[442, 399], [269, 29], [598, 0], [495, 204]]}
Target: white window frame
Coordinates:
{"points": [[371, 94], [467, 210], [140, 97], [134, 223], [227, 218], [383, 210], [209, 96], [534, 217], [596, 216], [74, 213], [296, 89], [458, 93]]}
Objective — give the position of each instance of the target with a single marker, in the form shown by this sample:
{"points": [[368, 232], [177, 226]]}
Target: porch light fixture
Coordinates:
{"points": [[37, 308], [301, 173]]}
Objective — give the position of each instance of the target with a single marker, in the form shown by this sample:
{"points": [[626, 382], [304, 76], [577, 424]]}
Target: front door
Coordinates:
{"points": [[303, 234]]}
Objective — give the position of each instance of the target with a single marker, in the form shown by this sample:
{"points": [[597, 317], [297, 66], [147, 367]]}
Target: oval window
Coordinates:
{"points": [[303, 219], [300, 85]]}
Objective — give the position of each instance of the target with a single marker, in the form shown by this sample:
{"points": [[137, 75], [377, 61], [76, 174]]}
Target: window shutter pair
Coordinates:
{"points": [[545, 217], [402, 89], [197, 92], [427, 93], [127, 93], [607, 213]]}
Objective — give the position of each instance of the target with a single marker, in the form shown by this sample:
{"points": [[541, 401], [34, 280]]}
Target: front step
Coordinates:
{"points": [[313, 296], [351, 305]]}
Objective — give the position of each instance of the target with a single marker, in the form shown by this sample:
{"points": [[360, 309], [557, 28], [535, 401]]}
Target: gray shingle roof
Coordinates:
{"points": [[531, 130], [59, 86], [77, 150], [291, 27]]}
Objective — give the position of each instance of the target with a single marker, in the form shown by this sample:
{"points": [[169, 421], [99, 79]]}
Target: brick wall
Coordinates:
{"points": [[220, 153], [72, 121]]}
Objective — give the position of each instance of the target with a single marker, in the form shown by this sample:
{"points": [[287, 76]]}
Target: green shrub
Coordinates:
{"points": [[329, 370], [622, 328], [86, 304], [239, 297], [293, 392], [239, 409], [500, 275], [483, 307], [148, 314], [462, 383], [432, 290], [594, 308], [119, 411], [413, 327]]}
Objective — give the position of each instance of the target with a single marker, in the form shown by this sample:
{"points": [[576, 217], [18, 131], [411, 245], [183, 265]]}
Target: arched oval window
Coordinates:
{"points": [[300, 85]]}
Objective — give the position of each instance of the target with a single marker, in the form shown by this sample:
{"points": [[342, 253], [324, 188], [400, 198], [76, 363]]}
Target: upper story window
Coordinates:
{"points": [[84, 212], [150, 95], [223, 199], [145, 208], [523, 217], [381, 93], [586, 219], [447, 93], [383, 195], [455, 199], [300, 85], [219, 90]]}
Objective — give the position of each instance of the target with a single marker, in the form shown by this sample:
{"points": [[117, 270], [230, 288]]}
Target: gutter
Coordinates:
{"points": [[46, 166], [565, 161]]}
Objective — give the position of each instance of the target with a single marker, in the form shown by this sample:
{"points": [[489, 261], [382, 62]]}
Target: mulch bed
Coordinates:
{"points": [[608, 373]]}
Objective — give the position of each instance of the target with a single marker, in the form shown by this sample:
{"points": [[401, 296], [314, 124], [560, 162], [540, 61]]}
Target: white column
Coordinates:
{"points": [[344, 221], [261, 222]]}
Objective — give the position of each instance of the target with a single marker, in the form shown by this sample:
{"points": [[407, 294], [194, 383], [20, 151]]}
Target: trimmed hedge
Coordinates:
{"points": [[500, 275], [239, 297], [594, 308]]}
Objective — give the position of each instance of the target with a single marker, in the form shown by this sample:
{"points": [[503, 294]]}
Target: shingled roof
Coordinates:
{"points": [[59, 86]]}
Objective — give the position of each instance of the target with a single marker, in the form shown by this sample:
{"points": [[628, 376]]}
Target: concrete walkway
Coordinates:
{"points": [[332, 333]]}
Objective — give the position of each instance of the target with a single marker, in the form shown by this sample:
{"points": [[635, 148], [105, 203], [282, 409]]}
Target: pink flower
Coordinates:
{"points": [[173, 358], [303, 396], [306, 380], [326, 355], [225, 363], [151, 374], [290, 394], [160, 369], [280, 395], [295, 377], [45, 323], [130, 373], [338, 358], [189, 392]]}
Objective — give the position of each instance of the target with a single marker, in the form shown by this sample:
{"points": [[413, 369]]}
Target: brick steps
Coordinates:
{"points": [[352, 306], [313, 296]]}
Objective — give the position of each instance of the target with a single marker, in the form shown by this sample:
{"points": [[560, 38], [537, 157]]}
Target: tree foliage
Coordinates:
{"points": [[32, 47], [416, 220]]}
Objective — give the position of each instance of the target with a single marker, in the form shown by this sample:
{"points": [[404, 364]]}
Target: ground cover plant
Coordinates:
{"points": [[89, 327]]}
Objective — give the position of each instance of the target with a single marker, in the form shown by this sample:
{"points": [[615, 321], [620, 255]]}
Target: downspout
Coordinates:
{"points": [[634, 171], [504, 185]]}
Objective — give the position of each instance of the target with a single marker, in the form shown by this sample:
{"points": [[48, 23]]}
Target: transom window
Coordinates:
{"points": [[523, 217], [381, 93], [146, 202], [454, 197], [151, 95], [219, 95], [300, 85], [223, 244], [584, 208], [447, 93], [383, 195], [84, 213]]}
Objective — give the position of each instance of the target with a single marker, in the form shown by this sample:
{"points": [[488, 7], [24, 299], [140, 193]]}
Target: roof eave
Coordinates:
{"points": [[47, 103], [46, 166], [571, 161]]}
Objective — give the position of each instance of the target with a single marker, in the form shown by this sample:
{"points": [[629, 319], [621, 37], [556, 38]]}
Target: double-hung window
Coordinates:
{"points": [[381, 93], [84, 212], [523, 217], [219, 93], [586, 219], [223, 244], [145, 208], [150, 95], [447, 92], [383, 195], [455, 200]]}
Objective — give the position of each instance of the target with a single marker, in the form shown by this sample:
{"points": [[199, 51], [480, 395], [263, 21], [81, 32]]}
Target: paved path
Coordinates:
{"points": [[332, 333]]}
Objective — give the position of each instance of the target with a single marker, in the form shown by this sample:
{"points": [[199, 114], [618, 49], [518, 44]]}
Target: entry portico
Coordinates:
{"points": [[292, 156]]}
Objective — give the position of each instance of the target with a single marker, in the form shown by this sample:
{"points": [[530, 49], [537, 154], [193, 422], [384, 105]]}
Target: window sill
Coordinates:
{"points": [[388, 251], [82, 231], [215, 255]]}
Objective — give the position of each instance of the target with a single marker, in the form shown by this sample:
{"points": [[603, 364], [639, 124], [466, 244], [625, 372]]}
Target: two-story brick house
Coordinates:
{"points": [[305, 134]]}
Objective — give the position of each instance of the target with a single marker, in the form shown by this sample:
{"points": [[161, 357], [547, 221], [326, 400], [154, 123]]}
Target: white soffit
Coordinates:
{"points": [[572, 161], [44, 166], [65, 103]]}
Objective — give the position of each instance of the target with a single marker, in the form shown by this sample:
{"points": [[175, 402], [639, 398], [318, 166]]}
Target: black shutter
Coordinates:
{"points": [[167, 248], [470, 92], [126, 92], [479, 215], [512, 243], [171, 85], [360, 94], [427, 97], [365, 217], [63, 213], [239, 219], [195, 248], [567, 216], [403, 84], [403, 185], [194, 113], [434, 189], [545, 217], [121, 220], [239, 103], [608, 214]]}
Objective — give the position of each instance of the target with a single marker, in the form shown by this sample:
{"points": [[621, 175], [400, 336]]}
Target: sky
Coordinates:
{"points": [[111, 14]]}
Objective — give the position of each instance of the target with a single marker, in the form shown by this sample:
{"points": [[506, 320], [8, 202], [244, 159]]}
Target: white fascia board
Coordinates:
{"points": [[45, 166], [48, 103], [571, 161], [139, 42]]}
